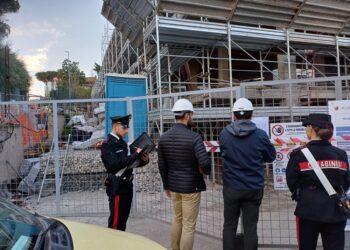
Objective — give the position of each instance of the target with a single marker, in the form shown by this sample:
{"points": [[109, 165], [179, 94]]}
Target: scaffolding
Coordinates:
{"points": [[203, 45], [189, 45], [184, 46], [288, 57]]}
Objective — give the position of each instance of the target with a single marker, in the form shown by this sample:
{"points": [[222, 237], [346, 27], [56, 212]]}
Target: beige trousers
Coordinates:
{"points": [[186, 208]]}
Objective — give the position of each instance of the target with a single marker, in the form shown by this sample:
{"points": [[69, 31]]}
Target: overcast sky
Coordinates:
{"points": [[42, 30]]}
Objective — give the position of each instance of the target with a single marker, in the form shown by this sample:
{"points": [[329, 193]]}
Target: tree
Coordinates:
{"points": [[97, 68], [59, 93], [19, 76], [6, 6], [46, 76], [69, 77]]}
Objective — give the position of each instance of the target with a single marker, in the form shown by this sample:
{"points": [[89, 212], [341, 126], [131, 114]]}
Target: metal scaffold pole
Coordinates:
{"points": [[338, 56], [230, 60], [57, 159], [159, 74], [289, 77]]}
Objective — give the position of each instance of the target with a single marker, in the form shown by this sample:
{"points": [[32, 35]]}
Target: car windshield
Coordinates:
{"points": [[19, 229]]}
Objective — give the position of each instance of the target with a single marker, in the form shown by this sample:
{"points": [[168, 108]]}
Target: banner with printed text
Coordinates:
{"points": [[340, 112], [285, 137]]}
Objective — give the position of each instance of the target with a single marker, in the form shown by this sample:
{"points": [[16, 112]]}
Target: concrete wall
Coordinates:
{"points": [[60, 123], [12, 151]]}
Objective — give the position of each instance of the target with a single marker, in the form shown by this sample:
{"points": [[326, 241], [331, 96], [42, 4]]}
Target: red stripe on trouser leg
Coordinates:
{"points": [[298, 230], [115, 212]]}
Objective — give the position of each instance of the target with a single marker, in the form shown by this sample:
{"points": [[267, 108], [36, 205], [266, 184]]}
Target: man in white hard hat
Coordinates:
{"points": [[182, 161], [244, 149]]}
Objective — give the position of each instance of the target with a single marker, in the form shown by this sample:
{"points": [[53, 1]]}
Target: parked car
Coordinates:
{"points": [[20, 229]]}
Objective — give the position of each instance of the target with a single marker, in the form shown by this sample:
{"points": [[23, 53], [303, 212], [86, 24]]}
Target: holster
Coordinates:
{"points": [[113, 184], [343, 201]]}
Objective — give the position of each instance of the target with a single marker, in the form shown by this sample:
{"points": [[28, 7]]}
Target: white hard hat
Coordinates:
{"points": [[182, 105], [242, 104]]}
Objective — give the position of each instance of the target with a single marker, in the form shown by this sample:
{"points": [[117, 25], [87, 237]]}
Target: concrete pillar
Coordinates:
{"points": [[223, 66], [283, 67], [282, 72]]}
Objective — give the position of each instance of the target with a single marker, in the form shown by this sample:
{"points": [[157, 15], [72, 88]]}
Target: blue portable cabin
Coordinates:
{"points": [[121, 86]]}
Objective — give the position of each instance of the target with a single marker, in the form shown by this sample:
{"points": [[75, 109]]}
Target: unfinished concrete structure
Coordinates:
{"points": [[290, 57], [253, 38], [185, 45]]}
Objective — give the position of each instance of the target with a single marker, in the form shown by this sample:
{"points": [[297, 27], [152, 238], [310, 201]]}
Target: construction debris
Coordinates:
{"points": [[97, 135], [27, 185], [77, 120]]}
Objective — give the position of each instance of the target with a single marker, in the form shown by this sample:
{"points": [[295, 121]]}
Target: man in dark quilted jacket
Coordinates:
{"points": [[182, 161]]}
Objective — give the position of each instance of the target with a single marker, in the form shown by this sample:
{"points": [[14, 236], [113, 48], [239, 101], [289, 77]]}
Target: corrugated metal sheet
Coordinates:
{"points": [[322, 16], [207, 34], [128, 17]]}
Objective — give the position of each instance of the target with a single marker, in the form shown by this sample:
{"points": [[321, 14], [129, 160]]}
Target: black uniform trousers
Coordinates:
{"points": [[332, 234], [235, 201], [119, 207]]}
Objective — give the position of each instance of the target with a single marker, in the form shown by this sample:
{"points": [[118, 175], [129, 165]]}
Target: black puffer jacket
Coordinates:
{"points": [[180, 154]]}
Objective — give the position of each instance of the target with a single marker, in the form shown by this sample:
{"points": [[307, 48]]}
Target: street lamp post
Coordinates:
{"points": [[69, 91]]}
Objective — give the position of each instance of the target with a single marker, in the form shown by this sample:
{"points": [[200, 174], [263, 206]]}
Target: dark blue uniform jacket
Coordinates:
{"points": [[314, 203], [114, 154]]}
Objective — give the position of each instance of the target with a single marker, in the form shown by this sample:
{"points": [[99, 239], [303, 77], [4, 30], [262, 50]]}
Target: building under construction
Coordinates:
{"points": [[185, 45], [289, 57]]}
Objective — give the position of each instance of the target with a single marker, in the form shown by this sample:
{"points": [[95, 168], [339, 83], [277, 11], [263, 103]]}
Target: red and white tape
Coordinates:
{"points": [[212, 146]]}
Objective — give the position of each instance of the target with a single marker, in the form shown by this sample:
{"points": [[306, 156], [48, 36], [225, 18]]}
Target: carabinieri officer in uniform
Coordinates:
{"points": [[115, 156], [316, 212]]}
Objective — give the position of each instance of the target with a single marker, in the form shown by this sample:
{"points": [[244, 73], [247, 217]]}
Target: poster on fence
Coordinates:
{"points": [[340, 112], [262, 123], [285, 137]]}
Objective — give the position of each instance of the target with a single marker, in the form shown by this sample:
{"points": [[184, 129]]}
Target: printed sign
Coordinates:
{"points": [[285, 137], [262, 123], [340, 112]]}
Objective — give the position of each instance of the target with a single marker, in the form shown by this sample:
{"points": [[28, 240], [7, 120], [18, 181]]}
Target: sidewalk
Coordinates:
{"points": [[154, 230], [160, 232]]}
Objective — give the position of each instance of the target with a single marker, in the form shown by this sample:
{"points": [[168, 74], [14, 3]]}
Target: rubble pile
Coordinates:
{"points": [[83, 170], [77, 161], [148, 177], [28, 173]]}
